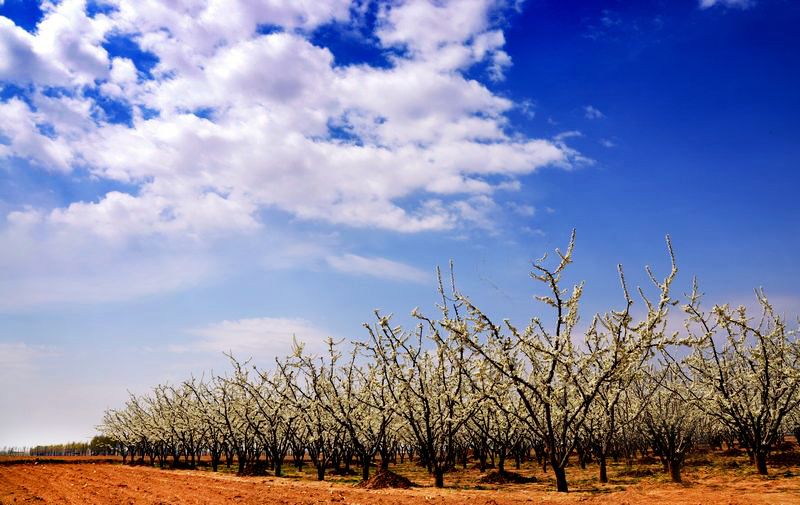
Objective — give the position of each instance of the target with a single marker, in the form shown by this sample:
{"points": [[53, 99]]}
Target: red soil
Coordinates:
{"points": [[118, 484]]}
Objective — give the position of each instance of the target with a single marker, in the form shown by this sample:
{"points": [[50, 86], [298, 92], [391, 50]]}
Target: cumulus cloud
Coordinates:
{"points": [[21, 127], [231, 121], [20, 60], [69, 36]]}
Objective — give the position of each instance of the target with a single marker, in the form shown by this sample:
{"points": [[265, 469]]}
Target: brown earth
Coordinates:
{"points": [[31, 460], [718, 482], [386, 479], [495, 477]]}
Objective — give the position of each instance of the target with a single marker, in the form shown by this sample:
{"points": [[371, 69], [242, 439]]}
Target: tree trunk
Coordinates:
{"points": [[384, 453], [438, 476], [581, 451], [761, 462], [321, 471], [242, 460], [482, 461], [675, 470], [298, 457], [365, 466], [603, 470], [561, 479]]}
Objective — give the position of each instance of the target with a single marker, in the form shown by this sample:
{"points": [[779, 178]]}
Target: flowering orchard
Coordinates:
{"points": [[462, 387]]}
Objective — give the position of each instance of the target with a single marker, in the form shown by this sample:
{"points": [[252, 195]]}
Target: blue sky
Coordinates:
{"points": [[175, 182]]}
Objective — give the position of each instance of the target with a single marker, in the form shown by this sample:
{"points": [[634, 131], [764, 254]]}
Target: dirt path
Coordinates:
{"points": [[117, 484]]}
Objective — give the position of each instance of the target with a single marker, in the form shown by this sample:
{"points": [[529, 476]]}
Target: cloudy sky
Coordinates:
{"points": [[181, 178]]}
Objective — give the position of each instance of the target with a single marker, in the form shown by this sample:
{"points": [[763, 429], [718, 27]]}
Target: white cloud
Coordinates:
{"points": [[477, 211], [522, 209], [426, 27], [739, 4], [274, 98], [447, 35], [500, 62], [197, 29], [69, 36], [20, 126], [260, 338], [21, 62], [411, 146], [71, 117], [122, 70], [563, 136], [377, 267], [66, 48], [591, 112], [120, 216]]}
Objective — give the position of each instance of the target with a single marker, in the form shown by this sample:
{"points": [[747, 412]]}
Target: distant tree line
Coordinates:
{"points": [[13, 451], [463, 388], [100, 445], [67, 449]]}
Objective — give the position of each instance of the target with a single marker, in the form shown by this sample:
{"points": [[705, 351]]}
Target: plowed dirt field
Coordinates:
{"points": [[104, 483]]}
